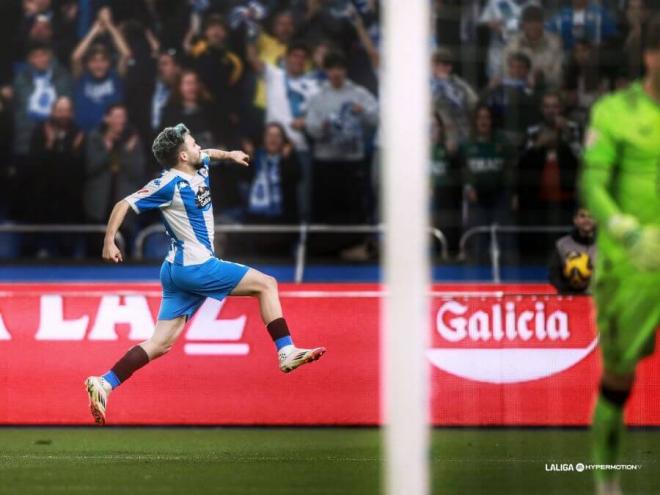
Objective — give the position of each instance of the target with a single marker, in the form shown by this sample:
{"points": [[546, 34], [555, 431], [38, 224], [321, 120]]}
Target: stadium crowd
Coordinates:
{"points": [[86, 85]]}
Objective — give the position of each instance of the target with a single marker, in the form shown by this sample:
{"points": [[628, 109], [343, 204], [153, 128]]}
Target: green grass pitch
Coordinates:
{"points": [[276, 461]]}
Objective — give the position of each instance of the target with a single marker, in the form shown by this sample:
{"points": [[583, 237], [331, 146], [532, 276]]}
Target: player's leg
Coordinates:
{"points": [[176, 307], [608, 427], [165, 335], [627, 318], [264, 288], [99, 387], [607, 421]]}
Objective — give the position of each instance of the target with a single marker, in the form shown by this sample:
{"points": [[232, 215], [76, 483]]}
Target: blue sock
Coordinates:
{"points": [[283, 341], [112, 379]]}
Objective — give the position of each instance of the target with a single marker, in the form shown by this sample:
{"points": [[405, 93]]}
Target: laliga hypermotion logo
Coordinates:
{"points": [[500, 343]]}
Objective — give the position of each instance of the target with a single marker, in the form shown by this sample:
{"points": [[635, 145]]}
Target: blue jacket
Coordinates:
{"points": [[599, 25]]}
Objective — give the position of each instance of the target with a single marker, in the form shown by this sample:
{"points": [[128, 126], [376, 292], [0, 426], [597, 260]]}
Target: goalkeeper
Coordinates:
{"points": [[620, 184]]}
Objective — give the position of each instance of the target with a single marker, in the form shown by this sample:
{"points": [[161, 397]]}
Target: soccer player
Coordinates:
{"points": [[190, 272], [621, 186]]}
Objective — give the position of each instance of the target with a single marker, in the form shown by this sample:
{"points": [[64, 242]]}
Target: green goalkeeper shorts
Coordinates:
{"points": [[628, 314]]}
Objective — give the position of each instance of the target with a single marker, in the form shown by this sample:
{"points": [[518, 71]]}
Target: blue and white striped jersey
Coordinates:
{"points": [[185, 206]]}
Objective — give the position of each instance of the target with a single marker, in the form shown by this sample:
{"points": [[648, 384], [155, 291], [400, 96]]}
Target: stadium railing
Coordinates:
{"points": [[12, 228], [494, 247], [303, 231]]}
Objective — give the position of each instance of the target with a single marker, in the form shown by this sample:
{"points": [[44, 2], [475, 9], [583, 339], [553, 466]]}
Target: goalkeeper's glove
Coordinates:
{"points": [[642, 243]]}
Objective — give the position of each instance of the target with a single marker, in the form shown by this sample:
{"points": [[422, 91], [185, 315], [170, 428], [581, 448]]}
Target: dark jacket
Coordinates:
{"points": [[111, 175], [59, 168], [530, 170], [198, 120]]}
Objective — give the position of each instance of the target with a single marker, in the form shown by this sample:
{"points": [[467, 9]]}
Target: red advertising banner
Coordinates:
{"points": [[499, 355]]}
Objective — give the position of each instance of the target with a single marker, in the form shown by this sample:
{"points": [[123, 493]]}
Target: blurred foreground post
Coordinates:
{"points": [[404, 315]]}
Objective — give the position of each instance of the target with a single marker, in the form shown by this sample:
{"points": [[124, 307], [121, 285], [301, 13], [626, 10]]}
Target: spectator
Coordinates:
{"points": [[56, 154], [190, 103], [33, 12], [272, 196], [502, 17], [36, 87], [288, 92], [220, 70], [584, 81], [272, 49], [48, 22], [339, 117], [319, 52], [548, 168], [571, 264], [487, 165], [323, 20], [98, 84], [634, 26], [141, 72], [453, 98], [168, 74], [164, 20], [542, 48], [364, 58], [56, 158], [583, 19], [114, 164], [445, 182], [40, 30], [513, 101], [553, 120]]}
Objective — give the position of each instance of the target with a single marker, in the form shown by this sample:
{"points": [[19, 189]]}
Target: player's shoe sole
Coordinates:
{"points": [[97, 399], [302, 357]]}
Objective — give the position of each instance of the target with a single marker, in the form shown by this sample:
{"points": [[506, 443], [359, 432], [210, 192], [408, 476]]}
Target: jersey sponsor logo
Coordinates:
{"points": [[203, 197], [508, 341]]}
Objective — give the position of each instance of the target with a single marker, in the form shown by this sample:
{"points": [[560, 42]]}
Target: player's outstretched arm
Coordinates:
{"points": [[110, 250], [235, 156]]}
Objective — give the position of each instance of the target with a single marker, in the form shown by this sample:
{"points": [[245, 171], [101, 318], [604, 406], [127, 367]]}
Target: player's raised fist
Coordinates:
{"points": [[112, 253]]}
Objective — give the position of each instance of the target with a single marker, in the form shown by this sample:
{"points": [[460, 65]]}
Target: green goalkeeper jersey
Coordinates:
{"points": [[621, 172]]}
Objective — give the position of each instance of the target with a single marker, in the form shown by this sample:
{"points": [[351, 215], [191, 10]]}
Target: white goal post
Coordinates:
{"points": [[405, 313]]}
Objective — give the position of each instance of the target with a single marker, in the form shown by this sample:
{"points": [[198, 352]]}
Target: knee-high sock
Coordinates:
{"points": [[607, 431], [279, 332], [132, 361]]}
